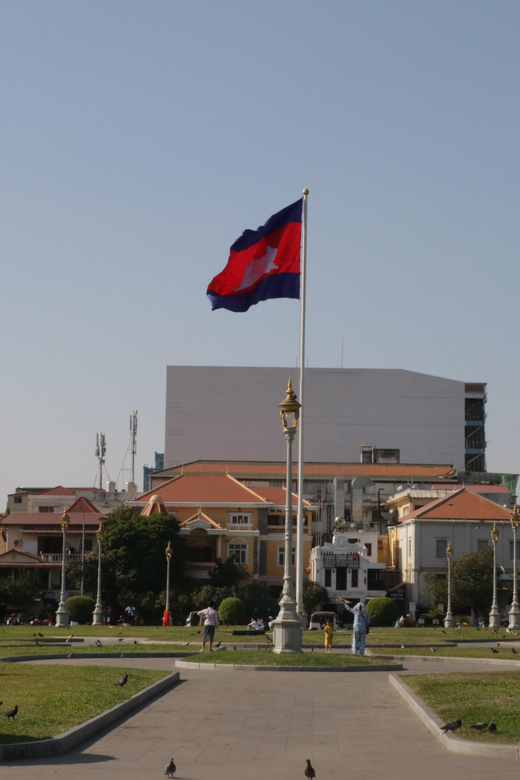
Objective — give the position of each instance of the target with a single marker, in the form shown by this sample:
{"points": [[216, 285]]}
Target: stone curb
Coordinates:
{"points": [[55, 746], [449, 659], [449, 741], [14, 659], [250, 668]]}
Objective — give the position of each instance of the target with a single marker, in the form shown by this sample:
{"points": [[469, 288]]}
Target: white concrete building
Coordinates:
{"points": [[231, 413], [348, 566]]}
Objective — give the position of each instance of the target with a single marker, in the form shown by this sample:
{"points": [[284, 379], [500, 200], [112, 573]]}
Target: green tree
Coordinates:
{"points": [[21, 591], [108, 579], [382, 611], [472, 580], [313, 596], [134, 549], [435, 587], [227, 574]]}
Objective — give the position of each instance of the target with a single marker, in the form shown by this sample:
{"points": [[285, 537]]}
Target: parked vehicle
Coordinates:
{"points": [[318, 620]]}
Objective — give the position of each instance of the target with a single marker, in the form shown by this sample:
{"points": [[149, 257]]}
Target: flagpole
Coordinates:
{"points": [[299, 522]]}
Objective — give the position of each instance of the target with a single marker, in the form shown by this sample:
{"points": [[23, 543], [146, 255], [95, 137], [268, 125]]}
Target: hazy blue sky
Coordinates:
{"points": [[139, 139]]}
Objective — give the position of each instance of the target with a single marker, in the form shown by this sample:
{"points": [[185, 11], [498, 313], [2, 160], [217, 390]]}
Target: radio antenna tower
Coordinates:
{"points": [[101, 449], [133, 440]]}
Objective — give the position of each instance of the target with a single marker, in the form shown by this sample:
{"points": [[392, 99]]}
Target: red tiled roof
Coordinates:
{"points": [[30, 565], [460, 505], [277, 496], [247, 468], [203, 489], [82, 504], [19, 552], [50, 519], [473, 488], [58, 491]]}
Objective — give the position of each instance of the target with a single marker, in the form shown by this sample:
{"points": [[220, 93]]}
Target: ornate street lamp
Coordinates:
{"points": [[449, 620], [62, 613], [514, 612], [166, 616], [97, 615], [287, 628], [494, 615]]}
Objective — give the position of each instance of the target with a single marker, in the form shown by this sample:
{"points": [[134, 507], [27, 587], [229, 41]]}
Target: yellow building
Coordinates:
{"points": [[221, 518]]}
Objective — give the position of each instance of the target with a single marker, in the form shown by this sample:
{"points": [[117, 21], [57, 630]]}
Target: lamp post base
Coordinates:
{"points": [[97, 615], [62, 616], [449, 621], [494, 617], [287, 629], [514, 615]]}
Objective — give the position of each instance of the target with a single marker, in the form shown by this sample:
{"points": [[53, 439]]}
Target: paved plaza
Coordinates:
{"points": [[257, 725]]}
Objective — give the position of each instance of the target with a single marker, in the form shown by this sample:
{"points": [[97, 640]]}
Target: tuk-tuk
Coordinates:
{"points": [[318, 620]]}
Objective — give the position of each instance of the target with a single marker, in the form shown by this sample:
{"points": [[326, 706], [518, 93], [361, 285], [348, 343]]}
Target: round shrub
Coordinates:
{"points": [[80, 608], [233, 612], [382, 611]]}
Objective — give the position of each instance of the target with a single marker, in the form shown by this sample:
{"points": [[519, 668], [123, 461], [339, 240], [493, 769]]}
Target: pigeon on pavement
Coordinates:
{"points": [[122, 681], [310, 774], [452, 726], [218, 644], [10, 713], [170, 768]]}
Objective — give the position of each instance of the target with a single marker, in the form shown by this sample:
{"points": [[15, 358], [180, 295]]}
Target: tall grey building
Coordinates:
{"points": [[226, 413]]}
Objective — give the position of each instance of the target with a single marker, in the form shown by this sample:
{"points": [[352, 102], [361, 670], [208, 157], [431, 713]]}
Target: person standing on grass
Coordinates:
{"points": [[360, 627], [329, 634], [210, 616]]}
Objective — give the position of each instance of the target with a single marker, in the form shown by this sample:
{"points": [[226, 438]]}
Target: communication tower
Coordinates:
{"points": [[133, 440], [101, 449]]}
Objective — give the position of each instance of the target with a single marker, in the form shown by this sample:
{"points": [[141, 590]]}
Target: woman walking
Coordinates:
{"points": [[360, 627]]}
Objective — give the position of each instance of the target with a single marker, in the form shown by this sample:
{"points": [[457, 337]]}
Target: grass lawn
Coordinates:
{"points": [[476, 698], [466, 651], [268, 658], [77, 650], [52, 700]]}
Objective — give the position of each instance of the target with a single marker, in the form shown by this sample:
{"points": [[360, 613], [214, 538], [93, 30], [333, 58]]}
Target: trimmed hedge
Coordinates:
{"points": [[382, 611], [80, 609], [233, 612]]}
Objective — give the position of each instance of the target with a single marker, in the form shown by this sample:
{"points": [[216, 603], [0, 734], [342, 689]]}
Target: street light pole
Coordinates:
{"points": [[97, 615], [494, 615], [514, 612], [62, 613], [166, 617], [287, 628], [449, 620]]}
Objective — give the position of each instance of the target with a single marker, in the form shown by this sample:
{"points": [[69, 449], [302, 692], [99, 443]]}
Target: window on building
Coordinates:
{"points": [[240, 519], [368, 545], [354, 577], [328, 578], [410, 548], [45, 509], [511, 550], [483, 543], [238, 552], [281, 556], [440, 548], [341, 578], [17, 499]]}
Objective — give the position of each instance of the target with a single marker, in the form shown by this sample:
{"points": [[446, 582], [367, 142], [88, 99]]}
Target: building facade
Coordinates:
{"points": [[231, 413]]}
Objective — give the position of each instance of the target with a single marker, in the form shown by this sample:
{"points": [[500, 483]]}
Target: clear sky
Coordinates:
{"points": [[139, 139]]}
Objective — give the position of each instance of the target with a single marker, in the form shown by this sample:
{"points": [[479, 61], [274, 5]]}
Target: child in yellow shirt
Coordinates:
{"points": [[329, 633]]}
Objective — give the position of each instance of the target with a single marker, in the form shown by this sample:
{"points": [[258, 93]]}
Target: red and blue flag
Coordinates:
{"points": [[263, 264]]}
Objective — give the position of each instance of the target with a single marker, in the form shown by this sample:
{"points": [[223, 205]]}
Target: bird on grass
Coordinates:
{"points": [[122, 681], [136, 642], [433, 649], [452, 726], [495, 631], [492, 726], [39, 634], [98, 643], [185, 644], [493, 650], [70, 655], [310, 774], [402, 647], [10, 713], [483, 726], [513, 651], [170, 768]]}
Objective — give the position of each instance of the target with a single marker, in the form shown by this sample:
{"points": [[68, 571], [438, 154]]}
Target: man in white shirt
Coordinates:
{"points": [[210, 616]]}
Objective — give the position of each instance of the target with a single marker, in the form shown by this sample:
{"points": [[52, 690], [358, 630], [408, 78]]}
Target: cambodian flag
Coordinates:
{"points": [[263, 264]]}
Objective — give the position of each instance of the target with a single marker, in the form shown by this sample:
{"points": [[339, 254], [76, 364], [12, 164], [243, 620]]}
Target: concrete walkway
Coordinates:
{"points": [[255, 726]]}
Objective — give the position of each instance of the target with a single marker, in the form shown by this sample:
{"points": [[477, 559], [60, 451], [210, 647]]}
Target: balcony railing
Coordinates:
{"points": [[58, 557], [199, 568], [280, 529]]}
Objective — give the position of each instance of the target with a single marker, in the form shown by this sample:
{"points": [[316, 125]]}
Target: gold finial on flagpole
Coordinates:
{"points": [[306, 191]]}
